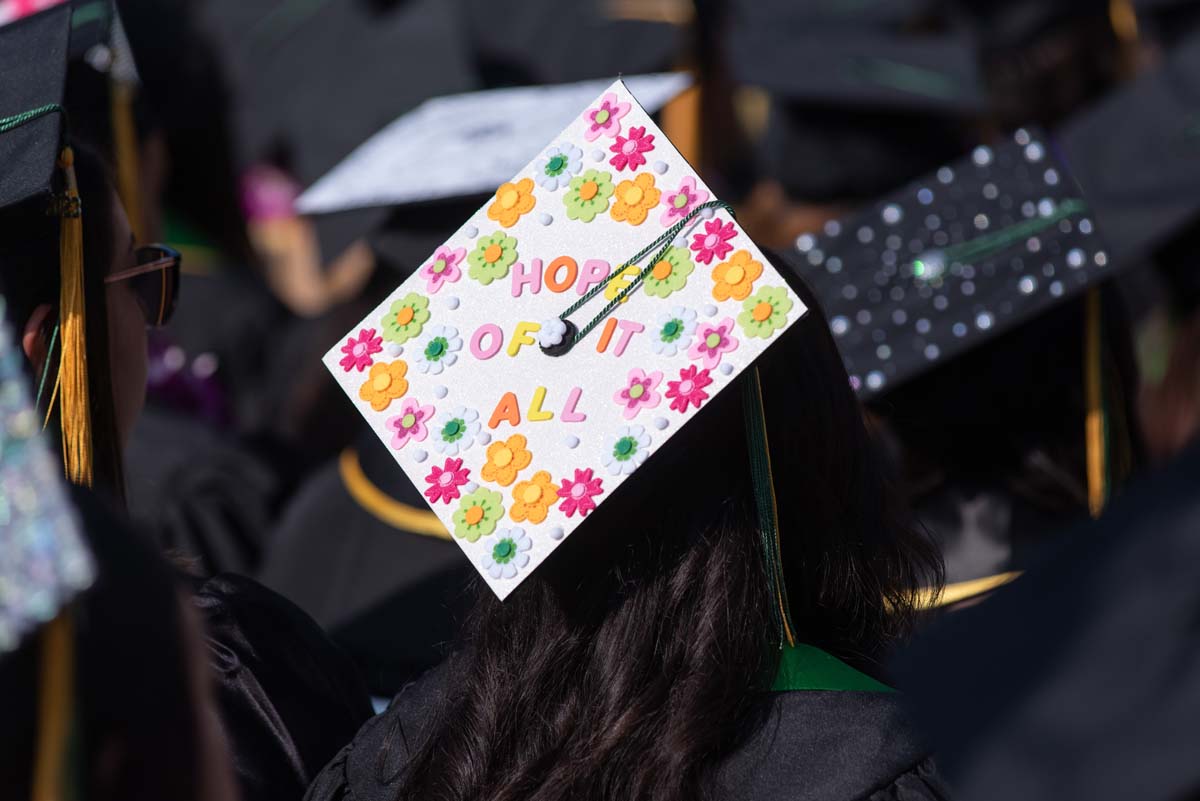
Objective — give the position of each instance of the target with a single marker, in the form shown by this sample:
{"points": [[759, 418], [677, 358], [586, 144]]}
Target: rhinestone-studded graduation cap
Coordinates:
{"points": [[516, 428], [952, 260]]}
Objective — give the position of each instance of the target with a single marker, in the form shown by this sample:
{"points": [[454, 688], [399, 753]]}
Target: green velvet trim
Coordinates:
{"points": [[804, 667]]}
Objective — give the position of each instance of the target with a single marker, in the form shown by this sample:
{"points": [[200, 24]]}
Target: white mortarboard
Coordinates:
{"points": [[462, 145], [514, 447]]}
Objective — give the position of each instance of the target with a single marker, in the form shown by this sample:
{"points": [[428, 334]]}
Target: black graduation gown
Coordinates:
{"points": [[815, 746], [288, 698], [1080, 679]]}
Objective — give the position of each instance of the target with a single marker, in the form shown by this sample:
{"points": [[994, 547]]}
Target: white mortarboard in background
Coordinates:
{"points": [[466, 144]]}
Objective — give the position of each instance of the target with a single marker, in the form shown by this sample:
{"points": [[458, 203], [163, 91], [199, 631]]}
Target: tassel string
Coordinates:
{"points": [[663, 243]]}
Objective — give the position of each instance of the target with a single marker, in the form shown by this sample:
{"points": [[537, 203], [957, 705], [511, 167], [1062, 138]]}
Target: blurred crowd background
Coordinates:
{"points": [[250, 460]]}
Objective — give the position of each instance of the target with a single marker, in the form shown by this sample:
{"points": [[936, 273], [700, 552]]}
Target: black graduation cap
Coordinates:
{"points": [[952, 260], [33, 69], [33, 64], [310, 82], [1136, 155], [861, 68], [856, 109]]}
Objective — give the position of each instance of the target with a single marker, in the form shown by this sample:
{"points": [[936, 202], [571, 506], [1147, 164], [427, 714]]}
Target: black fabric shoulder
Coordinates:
{"points": [[832, 746], [370, 767], [289, 698]]}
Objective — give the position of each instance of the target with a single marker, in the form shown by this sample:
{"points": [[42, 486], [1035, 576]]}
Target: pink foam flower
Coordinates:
{"points": [[443, 268], [714, 242], [689, 389], [444, 481], [577, 495], [639, 393], [409, 425], [680, 203], [629, 149], [713, 340], [359, 352], [604, 119]]}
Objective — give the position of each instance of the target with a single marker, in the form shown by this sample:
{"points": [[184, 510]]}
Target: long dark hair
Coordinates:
{"points": [[29, 242], [632, 662]]}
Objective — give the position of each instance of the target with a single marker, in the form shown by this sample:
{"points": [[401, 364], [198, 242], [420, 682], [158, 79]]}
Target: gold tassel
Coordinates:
{"points": [[74, 409], [1093, 366], [56, 684], [125, 154]]}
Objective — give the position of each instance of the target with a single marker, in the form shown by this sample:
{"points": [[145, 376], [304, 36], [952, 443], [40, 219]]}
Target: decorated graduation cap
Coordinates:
{"points": [[952, 259], [40, 168], [588, 311]]}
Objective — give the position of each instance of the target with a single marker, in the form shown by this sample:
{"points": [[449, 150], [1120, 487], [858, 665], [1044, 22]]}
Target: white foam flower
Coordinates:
{"points": [[507, 552], [438, 350], [558, 165], [552, 332], [627, 450], [455, 430], [675, 331]]}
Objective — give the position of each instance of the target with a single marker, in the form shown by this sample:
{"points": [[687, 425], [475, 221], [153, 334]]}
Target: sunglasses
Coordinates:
{"points": [[154, 280]]}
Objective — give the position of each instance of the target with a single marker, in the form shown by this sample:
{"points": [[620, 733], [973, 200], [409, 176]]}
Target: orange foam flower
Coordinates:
{"points": [[512, 200], [735, 278], [635, 199], [532, 499], [505, 459], [385, 383]]}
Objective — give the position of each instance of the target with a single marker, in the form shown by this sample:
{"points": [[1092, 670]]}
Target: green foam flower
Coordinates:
{"points": [[405, 318], [670, 274], [587, 195], [492, 257], [477, 515], [765, 312]]}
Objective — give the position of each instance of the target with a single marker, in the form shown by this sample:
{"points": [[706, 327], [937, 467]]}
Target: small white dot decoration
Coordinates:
{"points": [[709, 310], [393, 349], [440, 392], [726, 368], [419, 456], [707, 213], [452, 302], [660, 167], [597, 155], [471, 232], [470, 486], [545, 219], [556, 533], [571, 441], [661, 423], [484, 438]]}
